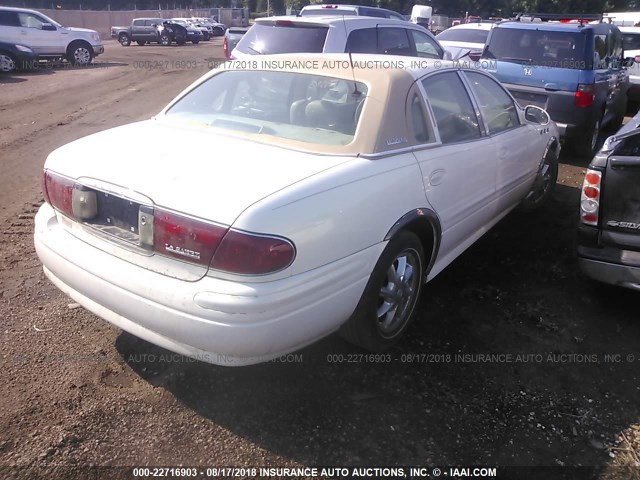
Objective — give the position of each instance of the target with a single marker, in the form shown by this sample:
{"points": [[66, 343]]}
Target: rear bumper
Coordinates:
{"points": [[611, 273], [213, 320]]}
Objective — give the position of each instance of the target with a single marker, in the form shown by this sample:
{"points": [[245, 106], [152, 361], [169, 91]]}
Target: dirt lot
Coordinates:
{"points": [[509, 362]]}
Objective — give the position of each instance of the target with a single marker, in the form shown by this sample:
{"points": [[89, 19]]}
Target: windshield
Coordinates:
{"points": [[538, 48], [297, 106], [467, 35], [289, 38]]}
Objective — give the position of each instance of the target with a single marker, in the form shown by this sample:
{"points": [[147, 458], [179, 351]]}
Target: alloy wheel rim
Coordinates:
{"points": [[398, 293], [7, 64], [82, 56]]}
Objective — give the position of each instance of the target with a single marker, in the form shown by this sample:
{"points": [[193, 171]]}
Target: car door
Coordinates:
{"points": [[459, 172], [151, 29], [44, 42], [518, 155]]}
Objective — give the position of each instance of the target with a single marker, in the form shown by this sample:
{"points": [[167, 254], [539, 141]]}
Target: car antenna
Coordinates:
{"points": [[356, 92]]}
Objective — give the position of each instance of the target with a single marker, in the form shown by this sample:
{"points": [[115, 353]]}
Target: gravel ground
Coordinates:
{"points": [[514, 359]]}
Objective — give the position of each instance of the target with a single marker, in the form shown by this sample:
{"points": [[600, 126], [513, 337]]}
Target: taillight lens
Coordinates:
{"points": [[590, 197], [585, 95], [225, 47], [58, 192], [251, 254], [185, 238]]}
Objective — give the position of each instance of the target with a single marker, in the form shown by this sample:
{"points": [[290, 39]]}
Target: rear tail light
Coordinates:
{"points": [[185, 238], [214, 245], [225, 47], [475, 55], [58, 192], [585, 95], [590, 197], [252, 254]]}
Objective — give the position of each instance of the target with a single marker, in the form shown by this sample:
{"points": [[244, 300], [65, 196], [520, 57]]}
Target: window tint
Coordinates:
{"points": [[394, 41], [421, 128], [28, 20], [452, 108], [267, 39], [497, 108], [9, 19], [150, 23], [425, 45], [138, 23], [539, 48], [362, 41], [464, 35]]}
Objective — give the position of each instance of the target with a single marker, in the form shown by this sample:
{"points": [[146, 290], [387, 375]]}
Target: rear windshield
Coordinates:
{"points": [[631, 41], [268, 39], [297, 106], [539, 48], [469, 35]]}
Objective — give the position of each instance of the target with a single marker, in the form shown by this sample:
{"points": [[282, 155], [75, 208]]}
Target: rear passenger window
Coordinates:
{"points": [[394, 41], [362, 41], [452, 108], [421, 128], [425, 45], [9, 19], [497, 108], [600, 52]]}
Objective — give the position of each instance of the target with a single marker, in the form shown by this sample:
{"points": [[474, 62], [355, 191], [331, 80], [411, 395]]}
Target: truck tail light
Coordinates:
{"points": [[585, 95], [252, 254], [58, 192], [590, 197]]}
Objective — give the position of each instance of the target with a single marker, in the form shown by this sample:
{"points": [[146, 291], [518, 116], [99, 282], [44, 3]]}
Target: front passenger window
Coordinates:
{"points": [[30, 21], [497, 108], [452, 108]]}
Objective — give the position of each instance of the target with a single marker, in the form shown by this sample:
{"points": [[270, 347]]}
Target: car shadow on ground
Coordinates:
{"points": [[505, 364], [6, 78]]}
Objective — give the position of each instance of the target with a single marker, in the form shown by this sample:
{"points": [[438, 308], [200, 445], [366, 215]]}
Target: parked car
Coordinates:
{"points": [[349, 187], [337, 35], [47, 38], [16, 57], [231, 38], [631, 44], [341, 10], [194, 34], [143, 31], [188, 22], [465, 38], [217, 29], [609, 230], [575, 71]]}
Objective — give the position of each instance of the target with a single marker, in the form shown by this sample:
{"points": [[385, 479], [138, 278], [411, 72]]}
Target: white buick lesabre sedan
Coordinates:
{"points": [[337, 188]]}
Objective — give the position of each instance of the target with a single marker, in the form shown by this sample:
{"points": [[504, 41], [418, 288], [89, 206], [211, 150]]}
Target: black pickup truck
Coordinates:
{"points": [[150, 30], [609, 229]]}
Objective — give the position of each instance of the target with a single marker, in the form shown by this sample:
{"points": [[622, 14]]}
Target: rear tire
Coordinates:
{"points": [[387, 303], [124, 39], [218, 32], [195, 42], [587, 145]]}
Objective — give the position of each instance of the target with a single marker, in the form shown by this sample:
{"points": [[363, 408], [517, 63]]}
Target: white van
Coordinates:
{"points": [[47, 38]]}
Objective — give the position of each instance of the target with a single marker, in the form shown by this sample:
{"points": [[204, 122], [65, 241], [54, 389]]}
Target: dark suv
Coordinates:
{"points": [[574, 70]]}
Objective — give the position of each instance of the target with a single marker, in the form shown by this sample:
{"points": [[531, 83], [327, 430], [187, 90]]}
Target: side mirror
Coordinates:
{"points": [[447, 55], [630, 61], [536, 115], [48, 27]]}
